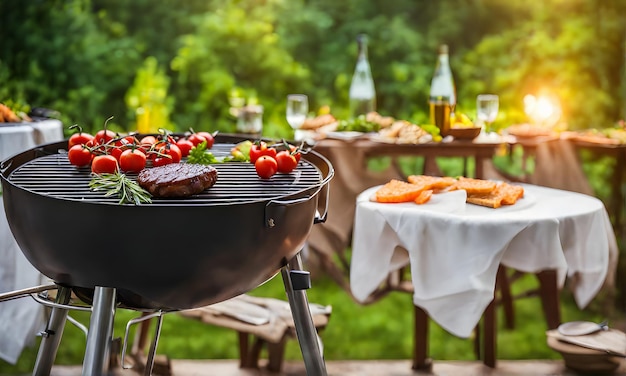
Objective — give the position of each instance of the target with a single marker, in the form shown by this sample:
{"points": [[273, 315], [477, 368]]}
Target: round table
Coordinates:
{"points": [[454, 249], [20, 319]]}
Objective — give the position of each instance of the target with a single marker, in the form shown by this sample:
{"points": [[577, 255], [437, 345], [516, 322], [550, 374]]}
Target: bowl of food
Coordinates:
{"points": [[464, 133]]}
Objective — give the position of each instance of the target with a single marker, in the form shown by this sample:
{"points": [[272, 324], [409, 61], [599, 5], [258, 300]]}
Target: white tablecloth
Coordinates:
{"points": [[454, 248], [20, 319]]}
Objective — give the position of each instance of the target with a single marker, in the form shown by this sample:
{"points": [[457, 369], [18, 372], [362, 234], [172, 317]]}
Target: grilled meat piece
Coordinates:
{"points": [[177, 179]]}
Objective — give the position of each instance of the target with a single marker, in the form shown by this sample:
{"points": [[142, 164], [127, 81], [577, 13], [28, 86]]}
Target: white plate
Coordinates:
{"points": [[344, 135], [579, 328]]}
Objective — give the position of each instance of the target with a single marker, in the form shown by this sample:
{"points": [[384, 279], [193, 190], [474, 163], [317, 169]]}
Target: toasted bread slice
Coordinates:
{"points": [[509, 193], [475, 186], [503, 194], [489, 200], [398, 191], [424, 197], [432, 182]]}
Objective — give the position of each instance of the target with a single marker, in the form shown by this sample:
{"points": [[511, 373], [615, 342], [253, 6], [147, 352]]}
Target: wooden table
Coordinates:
{"points": [[617, 202]]}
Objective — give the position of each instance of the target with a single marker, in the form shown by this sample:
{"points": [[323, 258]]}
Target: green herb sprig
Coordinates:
{"points": [[200, 155], [120, 185]]}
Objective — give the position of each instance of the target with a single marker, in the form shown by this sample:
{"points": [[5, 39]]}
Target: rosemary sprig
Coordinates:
{"points": [[120, 185]]}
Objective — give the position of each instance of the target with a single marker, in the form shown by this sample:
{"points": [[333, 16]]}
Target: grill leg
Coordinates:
{"points": [[305, 329], [100, 332], [51, 336]]}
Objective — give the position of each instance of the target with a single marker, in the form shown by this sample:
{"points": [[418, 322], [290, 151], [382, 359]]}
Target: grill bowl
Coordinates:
{"points": [[173, 253]]}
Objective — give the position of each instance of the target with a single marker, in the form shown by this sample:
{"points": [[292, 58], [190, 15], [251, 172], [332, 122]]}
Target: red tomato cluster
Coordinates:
{"points": [[107, 152], [268, 160]]}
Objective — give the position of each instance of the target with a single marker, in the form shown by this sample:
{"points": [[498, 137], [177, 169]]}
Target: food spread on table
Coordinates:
{"points": [[7, 115], [420, 188], [615, 135]]}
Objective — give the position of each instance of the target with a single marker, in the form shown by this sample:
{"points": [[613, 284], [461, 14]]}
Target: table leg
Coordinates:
{"points": [[549, 293], [489, 345], [618, 197], [479, 169], [421, 362]]}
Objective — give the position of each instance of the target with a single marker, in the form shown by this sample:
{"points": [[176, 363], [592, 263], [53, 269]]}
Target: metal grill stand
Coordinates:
{"points": [[99, 337], [296, 282]]}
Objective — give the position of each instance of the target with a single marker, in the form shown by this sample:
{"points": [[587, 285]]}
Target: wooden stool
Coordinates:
{"points": [[274, 333]]}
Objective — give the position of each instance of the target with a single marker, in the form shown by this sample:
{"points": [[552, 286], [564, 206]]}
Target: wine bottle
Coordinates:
{"points": [[362, 91], [442, 92]]}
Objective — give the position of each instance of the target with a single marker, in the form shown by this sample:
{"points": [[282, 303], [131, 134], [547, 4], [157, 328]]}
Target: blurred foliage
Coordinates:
{"points": [[187, 60], [84, 58], [148, 100]]}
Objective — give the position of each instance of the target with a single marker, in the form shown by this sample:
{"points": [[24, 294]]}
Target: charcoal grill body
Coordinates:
{"points": [[171, 254]]}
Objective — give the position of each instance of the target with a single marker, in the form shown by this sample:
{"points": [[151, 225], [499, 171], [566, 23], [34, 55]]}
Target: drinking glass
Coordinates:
{"points": [[297, 109], [487, 108]]}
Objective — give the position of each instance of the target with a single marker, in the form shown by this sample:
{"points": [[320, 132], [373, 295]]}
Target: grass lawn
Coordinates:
{"points": [[382, 330]]}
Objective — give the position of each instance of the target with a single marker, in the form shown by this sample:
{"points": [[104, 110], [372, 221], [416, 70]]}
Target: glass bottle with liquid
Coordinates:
{"points": [[442, 92], [362, 91]]}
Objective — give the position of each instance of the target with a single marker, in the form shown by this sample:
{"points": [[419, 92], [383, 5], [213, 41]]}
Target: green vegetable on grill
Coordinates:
{"points": [[199, 155]]}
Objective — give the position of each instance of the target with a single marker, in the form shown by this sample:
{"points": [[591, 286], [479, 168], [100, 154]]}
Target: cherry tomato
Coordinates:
{"points": [[132, 160], [260, 149], [286, 161], [185, 146], [161, 161], [196, 139], [79, 139], [210, 140], [147, 142], [120, 146], [104, 164], [79, 155], [265, 166], [172, 150], [104, 136], [295, 152]]}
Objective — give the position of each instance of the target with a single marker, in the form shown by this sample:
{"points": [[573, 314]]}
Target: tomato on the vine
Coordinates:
{"points": [[210, 140], [161, 161], [265, 166], [120, 146], [79, 155], [147, 142], [295, 151], [132, 160], [185, 146], [103, 136], [104, 164], [171, 150], [286, 161], [259, 149], [79, 139], [196, 139]]}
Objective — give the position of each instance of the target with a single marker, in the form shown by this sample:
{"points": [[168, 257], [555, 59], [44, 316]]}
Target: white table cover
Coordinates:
{"points": [[20, 319], [455, 248]]}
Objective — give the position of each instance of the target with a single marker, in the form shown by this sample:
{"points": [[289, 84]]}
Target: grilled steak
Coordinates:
{"points": [[177, 179]]}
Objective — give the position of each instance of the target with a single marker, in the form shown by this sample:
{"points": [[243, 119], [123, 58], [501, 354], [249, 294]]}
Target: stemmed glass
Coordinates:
{"points": [[487, 109], [297, 110]]}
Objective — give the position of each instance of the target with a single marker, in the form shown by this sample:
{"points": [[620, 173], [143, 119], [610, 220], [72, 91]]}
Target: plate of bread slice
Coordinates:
{"points": [[487, 193]]}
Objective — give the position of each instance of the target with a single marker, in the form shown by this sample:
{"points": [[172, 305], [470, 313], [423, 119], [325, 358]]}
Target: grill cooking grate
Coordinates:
{"points": [[237, 182]]}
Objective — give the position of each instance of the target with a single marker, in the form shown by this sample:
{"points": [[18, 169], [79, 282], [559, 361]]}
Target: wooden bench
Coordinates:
{"points": [[258, 322]]}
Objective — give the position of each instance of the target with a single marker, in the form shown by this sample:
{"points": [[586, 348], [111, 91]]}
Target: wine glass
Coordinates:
{"points": [[487, 109], [297, 109]]}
